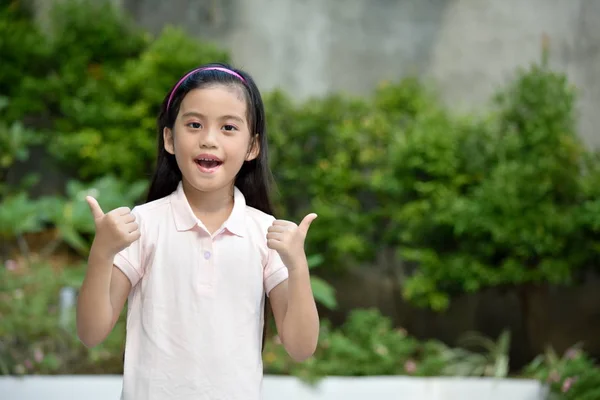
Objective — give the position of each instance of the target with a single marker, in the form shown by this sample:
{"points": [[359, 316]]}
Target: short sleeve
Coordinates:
{"points": [[131, 259], [275, 271]]}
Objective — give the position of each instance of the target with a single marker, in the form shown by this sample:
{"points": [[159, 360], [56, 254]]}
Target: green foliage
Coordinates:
{"points": [[120, 135], [24, 52], [331, 156], [495, 204], [478, 356], [15, 143], [572, 376], [32, 338], [86, 41], [100, 84], [367, 344], [19, 215], [467, 203], [93, 32], [310, 136], [323, 292], [69, 215]]}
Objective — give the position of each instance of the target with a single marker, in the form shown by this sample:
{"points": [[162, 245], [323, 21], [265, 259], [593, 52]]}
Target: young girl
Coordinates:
{"points": [[196, 261]]}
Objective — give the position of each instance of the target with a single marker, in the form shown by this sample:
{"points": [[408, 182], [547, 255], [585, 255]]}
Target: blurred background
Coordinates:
{"points": [[448, 146]]}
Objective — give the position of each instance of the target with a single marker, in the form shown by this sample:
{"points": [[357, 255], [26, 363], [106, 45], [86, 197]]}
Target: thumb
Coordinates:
{"points": [[94, 207], [305, 224]]}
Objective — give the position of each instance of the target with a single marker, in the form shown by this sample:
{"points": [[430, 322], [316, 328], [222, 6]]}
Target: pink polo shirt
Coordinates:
{"points": [[195, 313]]}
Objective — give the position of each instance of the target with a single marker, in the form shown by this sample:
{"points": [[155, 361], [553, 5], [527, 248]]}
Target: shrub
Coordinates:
{"points": [[496, 204], [25, 56], [37, 336], [574, 375], [101, 85], [117, 135], [331, 156], [368, 345]]}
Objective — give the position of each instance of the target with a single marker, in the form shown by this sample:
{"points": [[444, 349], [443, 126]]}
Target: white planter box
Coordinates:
{"points": [[107, 387]]}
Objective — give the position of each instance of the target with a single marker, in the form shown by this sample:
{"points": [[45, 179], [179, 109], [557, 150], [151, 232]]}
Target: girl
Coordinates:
{"points": [[197, 259]]}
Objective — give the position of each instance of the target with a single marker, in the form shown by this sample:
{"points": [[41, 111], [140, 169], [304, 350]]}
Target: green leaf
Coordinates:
{"points": [[314, 260], [323, 292]]}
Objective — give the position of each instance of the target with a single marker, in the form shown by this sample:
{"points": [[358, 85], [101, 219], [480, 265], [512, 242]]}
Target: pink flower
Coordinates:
{"points": [[410, 366], [38, 355], [27, 363], [567, 384], [572, 353]]}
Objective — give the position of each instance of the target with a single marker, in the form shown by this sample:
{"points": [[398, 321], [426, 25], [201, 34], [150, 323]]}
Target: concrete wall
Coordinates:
{"points": [[467, 47]]}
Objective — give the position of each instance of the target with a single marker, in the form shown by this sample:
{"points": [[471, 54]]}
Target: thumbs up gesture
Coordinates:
{"points": [[115, 230], [287, 239]]}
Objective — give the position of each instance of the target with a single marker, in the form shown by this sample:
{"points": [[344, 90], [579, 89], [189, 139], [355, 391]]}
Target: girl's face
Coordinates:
{"points": [[211, 138]]}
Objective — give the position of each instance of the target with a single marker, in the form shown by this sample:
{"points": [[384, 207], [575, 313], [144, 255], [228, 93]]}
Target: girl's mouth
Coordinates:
{"points": [[208, 165]]}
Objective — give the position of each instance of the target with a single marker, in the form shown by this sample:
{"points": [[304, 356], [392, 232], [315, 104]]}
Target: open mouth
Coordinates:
{"points": [[208, 163]]}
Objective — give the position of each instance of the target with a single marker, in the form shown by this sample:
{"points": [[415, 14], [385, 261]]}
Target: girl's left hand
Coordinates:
{"points": [[287, 239]]}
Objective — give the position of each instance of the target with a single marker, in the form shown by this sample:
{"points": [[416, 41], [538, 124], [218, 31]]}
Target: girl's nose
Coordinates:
{"points": [[209, 138]]}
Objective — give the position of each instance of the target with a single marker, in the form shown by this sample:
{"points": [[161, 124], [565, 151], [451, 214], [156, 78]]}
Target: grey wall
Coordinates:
{"points": [[467, 47]]}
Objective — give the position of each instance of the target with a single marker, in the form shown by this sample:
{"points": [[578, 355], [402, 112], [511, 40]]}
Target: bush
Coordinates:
{"points": [[572, 376], [368, 345], [37, 336], [332, 156], [451, 195], [100, 88], [25, 56], [504, 205], [119, 136]]}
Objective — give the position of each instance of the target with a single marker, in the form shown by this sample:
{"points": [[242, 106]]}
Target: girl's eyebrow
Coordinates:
{"points": [[223, 117]]}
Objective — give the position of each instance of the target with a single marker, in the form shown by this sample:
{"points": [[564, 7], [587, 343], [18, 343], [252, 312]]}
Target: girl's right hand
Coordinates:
{"points": [[115, 230]]}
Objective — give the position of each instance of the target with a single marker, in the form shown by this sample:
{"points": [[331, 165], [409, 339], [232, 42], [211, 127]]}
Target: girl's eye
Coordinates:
{"points": [[195, 125], [229, 128]]}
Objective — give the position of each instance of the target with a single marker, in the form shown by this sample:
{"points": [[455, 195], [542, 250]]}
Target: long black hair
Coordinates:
{"points": [[254, 179]]}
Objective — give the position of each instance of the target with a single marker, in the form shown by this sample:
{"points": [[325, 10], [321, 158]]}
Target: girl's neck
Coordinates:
{"points": [[212, 208]]}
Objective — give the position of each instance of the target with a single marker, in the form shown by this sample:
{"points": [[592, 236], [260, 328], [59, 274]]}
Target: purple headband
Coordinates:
{"points": [[228, 71]]}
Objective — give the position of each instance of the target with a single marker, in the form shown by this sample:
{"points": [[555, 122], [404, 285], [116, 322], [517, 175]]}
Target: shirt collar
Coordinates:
{"points": [[186, 220]]}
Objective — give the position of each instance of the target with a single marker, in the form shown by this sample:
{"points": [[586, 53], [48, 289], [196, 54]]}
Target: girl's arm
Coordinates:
{"points": [[292, 300], [101, 299], [105, 288], [296, 313]]}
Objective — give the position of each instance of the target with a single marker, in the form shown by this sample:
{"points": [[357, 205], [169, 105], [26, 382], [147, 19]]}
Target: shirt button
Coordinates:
{"points": [[207, 255]]}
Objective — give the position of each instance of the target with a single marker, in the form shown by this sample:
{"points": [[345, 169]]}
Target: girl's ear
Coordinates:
{"points": [[254, 149], [168, 139]]}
